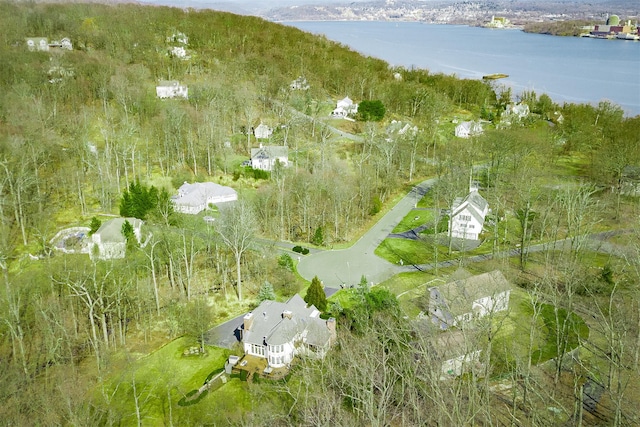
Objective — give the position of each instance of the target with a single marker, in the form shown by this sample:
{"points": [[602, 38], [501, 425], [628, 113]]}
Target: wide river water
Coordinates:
{"points": [[568, 69]]}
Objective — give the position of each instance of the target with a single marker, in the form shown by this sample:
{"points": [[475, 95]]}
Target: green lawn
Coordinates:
{"points": [[414, 218], [164, 377], [410, 251], [525, 329]]}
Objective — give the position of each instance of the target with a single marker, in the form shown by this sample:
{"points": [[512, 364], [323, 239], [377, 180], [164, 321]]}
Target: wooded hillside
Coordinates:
{"points": [[84, 138]]}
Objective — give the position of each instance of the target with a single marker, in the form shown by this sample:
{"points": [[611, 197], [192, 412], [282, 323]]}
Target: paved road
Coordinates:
{"points": [[226, 334], [346, 266]]}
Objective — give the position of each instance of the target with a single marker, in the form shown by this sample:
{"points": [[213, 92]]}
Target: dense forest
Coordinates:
{"points": [[84, 139]]}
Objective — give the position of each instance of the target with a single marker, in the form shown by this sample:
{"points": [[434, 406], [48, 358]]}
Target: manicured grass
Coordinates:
{"points": [[407, 282], [164, 377], [345, 297], [414, 218], [525, 329], [410, 251]]}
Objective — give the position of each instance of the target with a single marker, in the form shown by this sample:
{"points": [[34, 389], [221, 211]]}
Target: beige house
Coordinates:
{"points": [[460, 302]]}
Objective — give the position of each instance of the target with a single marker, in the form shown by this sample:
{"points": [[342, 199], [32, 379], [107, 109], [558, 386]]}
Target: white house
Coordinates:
{"points": [[519, 111], [299, 84], [262, 131], [467, 216], [178, 52], [40, 44], [265, 157], [108, 242], [279, 331], [171, 89], [399, 128], [467, 129], [63, 44], [344, 108], [459, 302], [178, 37], [196, 197]]}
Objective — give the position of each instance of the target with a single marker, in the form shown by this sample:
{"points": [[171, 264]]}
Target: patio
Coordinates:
{"points": [[253, 364]]}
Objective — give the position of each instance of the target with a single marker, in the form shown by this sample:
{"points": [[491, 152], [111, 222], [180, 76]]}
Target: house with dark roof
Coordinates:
{"points": [[265, 157], [278, 331], [196, 197], [461, 301], [109, 242], [467, 216]]}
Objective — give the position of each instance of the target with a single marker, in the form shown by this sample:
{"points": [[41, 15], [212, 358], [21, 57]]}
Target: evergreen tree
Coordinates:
{"points": [[139, 200], [315, 295], [94, 226], [266, 292], [129, 235], [371, 111]]}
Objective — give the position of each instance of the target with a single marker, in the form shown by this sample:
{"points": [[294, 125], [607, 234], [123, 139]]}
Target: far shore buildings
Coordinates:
{"points": [[467, 215], [108, 242], [265, 157], [194, 198], [278, 331], [498, 22], [613, 29], [167, 89]]}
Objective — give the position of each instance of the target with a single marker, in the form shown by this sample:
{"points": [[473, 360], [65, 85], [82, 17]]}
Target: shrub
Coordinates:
{"points": [[300, 250], [285, 261]]}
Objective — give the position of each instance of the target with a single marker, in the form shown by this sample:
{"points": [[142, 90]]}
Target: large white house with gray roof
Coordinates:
{"points": [[467, 216], [277, 331], [196, 197]]}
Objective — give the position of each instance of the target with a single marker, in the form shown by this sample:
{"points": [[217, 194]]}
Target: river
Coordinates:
{"points": [[568, 69]]}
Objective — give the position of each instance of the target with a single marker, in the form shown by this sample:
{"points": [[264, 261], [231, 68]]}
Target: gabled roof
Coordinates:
{"points": [[474, 203], [279, 323], [200, 192], [269, 152], [111, 231], [459, 295]]}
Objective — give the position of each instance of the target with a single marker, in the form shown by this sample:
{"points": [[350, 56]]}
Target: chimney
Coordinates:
{"points": [[287, 314], [331, 325], [248, 321]]}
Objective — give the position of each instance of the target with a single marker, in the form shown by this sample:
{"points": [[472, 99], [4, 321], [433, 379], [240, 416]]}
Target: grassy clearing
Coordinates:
{"points": [[159, 380], [415, 218], [533, 330]]}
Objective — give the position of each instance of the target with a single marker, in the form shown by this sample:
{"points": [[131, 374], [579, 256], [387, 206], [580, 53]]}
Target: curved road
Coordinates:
{"points": [[346, 266]]}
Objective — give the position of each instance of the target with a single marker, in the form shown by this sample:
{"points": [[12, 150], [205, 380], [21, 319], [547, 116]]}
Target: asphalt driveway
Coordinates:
{"points": [[336, 268]]}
